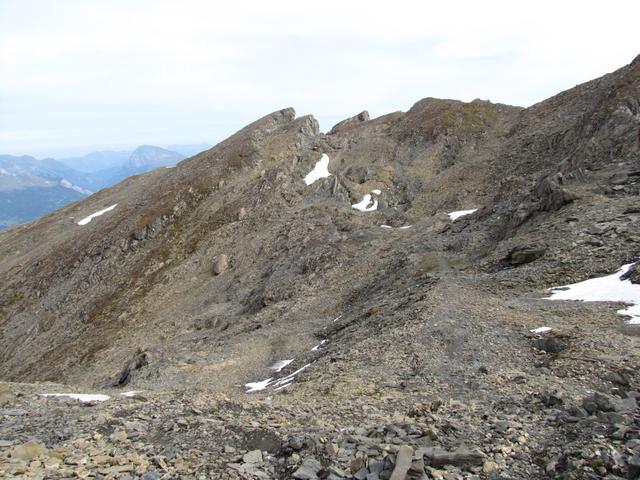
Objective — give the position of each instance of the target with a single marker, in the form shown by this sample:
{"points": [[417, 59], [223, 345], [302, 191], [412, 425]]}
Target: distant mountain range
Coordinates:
{"points": [[30, 188]]}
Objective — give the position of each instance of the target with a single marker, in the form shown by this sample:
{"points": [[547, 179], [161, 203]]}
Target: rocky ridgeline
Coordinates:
{"points": [[382, 290]]}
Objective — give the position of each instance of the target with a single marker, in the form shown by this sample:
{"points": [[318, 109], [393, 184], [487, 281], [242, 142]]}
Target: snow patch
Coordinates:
{"points": [[317, 347], [541, 330], [277, 385], [404, 227], [321, 170], [257, 386], [366, 204], [460, 213], [610, 288], [376, 191], [83, 397], [279, 365], [86, 220], [286, 381], [132, 393]]}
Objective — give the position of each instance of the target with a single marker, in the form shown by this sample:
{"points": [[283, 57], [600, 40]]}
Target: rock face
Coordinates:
{"points": [[340, 340]]}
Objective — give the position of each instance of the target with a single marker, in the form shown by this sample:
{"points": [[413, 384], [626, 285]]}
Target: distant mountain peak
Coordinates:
{"points": [[148, 157]]}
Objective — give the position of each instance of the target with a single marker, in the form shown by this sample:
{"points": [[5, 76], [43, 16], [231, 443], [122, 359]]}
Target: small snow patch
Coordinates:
{"points": [[541, 330], [366, 204], [377, 192], [278, 366], [461, 213], [286, 381], [277, 385], [404, 227], [257, 386], [317, 347], [321, 170], [610, 288], [86, 220], [132, 393], [82, 397]]}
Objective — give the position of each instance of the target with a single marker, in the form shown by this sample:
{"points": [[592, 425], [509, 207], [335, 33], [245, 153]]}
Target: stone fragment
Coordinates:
{"points": [[403, 463], [459, 458], [221, 264], [28, 451], [308, 470], [524, 254], [254, 456]]}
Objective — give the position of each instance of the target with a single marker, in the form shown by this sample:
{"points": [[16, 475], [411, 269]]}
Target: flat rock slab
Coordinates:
{"points": [[459, 458], [403, 463]]}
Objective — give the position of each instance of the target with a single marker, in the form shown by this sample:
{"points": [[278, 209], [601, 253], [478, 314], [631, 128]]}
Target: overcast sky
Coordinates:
{"points": [[78, 76]]}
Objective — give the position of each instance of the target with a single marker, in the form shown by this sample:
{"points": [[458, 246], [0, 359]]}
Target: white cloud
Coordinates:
{"points": [[81, 73]]}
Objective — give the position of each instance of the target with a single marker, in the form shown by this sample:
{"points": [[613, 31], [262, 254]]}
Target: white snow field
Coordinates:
{"points": [[610, 288]]}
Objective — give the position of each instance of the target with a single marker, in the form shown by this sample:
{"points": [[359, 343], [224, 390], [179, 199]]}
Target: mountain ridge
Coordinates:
{"points": [[200, 278]]}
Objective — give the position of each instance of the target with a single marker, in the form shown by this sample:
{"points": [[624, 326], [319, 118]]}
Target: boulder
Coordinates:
{"points": [[7, 396], [349, 122], [139, 359], [459, 458], [254, 456], [28, 451], [221, 264], [550, 344], [308, 470], [524, 254], [551, 195], [403, 463]]}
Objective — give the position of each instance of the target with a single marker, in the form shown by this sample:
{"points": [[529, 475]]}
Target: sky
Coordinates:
{"points": [[87, 75]]}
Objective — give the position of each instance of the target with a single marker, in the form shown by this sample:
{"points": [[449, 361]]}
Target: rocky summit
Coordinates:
{"points": [[368, 303]]}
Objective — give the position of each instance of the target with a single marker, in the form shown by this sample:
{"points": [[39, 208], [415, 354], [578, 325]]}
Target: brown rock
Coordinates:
{"points": [[6, 395], [28, 451], [221, 264]]}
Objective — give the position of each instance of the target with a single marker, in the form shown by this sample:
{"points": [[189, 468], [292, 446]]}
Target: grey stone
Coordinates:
{"points": [[459, 458], [403, 463], [308, 470], [254, 456]]}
